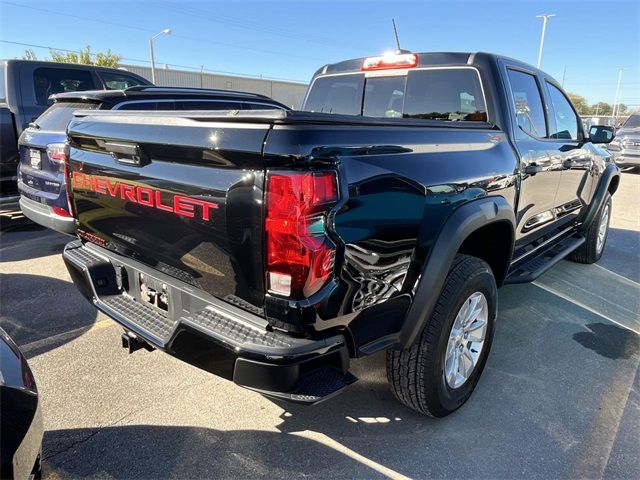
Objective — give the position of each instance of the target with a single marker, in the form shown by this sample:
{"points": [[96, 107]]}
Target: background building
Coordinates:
{"points": [[289, 93]]}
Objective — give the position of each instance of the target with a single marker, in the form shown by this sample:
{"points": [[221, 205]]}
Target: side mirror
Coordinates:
{"points": [[601, 134]]}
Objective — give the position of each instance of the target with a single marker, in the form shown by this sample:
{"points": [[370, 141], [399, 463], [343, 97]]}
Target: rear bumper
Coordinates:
{"points": [[207, 332], [44, 215]]}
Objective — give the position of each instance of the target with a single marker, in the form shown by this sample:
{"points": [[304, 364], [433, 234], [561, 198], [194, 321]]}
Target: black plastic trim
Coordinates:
{"points": [[462, 222], [610, 172]]}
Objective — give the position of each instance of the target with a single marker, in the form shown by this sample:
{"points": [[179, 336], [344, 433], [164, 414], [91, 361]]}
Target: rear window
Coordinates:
{"points": [[339, 94], [119, 81], [58, 115], [150, 105], [437, 94], [632, 122], [260, 106], [207, 105], [48, 81], [194, 104]]}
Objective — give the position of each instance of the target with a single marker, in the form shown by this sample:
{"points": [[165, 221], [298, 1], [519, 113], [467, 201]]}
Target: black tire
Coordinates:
{"points": [[416, 374], [588, 252]]}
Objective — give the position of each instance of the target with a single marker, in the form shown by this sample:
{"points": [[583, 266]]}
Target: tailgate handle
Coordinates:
{"points": [[128, 153]]}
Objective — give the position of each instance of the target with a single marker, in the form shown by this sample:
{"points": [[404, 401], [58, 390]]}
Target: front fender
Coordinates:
{"points": [[461, 223]]}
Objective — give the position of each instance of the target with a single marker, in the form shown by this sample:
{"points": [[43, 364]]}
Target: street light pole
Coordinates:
{"points": [[166, 31], [544, 18], [615, 100]]}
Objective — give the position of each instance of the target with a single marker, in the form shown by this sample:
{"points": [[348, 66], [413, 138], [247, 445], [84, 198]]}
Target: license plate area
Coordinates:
{"points": [[35, 158], [154, 292]]}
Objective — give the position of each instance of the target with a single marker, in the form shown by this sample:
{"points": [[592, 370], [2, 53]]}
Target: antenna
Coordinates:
{"points": [[395, 31]]}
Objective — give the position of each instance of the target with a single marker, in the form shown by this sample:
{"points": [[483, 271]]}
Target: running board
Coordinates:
{"points": [[536, 266]]}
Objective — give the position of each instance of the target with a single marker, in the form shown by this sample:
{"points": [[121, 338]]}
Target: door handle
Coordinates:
{"points": [[129, 153], [578, 162]]}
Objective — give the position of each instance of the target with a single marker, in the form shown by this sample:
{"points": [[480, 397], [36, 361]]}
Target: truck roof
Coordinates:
{"points": [[80, 66], [425, 59]]}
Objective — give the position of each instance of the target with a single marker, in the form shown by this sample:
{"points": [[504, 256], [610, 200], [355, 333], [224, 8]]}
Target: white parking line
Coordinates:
{"points": [[338, 447], [586, 307], [617, 275]]}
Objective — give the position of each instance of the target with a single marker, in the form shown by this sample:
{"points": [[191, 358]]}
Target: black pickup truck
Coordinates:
{"points": [[271, 247]]}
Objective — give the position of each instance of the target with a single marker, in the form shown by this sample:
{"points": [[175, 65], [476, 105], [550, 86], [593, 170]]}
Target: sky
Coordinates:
{"points": [[586, 43]]}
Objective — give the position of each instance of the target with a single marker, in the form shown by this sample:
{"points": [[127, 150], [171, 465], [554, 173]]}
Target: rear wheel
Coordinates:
{"points": [[596, 236], [437, 375]]}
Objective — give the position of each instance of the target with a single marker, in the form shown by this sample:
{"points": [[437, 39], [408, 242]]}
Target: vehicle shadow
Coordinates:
{"points": [[35, 308], [27, 241], [194, 452]]}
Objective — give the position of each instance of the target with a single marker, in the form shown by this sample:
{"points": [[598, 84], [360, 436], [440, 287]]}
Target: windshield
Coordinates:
{"points": [[58, 115], [449, 94], [632, 122]]}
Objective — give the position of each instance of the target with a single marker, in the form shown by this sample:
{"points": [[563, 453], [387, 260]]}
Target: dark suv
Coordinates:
{"points": [[42, 146]]}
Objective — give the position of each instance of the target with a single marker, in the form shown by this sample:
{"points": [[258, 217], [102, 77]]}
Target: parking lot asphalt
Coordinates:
{"points": [[560, 396]]}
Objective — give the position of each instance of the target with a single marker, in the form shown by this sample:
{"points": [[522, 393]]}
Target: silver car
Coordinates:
{"points": [[625, 147]]}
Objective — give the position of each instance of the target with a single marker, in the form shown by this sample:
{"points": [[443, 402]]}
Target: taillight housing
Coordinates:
{"points": [[62, 212], [300, 255], [58, 153], [68, 187]]}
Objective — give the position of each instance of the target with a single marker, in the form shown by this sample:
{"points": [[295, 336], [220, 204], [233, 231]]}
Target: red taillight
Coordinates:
{"points": [[390, 61], [300, 256], [61, 211], [67, 178], [57, 152]]}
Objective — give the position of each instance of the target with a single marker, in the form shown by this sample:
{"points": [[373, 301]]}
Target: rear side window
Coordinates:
{"points": [[48, 81], [566, 121], [119, 81], [58, 115], [527, 103], [339, 94]]}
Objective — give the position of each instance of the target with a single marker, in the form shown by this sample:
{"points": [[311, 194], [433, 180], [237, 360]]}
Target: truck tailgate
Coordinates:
{"points": [[180, 195]]}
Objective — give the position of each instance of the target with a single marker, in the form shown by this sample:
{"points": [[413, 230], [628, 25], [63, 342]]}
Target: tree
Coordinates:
{"points": [[601, 108], [29, 55], [84, 56], [579, 102]]}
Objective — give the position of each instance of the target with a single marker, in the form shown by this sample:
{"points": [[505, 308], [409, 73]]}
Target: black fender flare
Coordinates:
{"points": [[466, 219], [610, 174]]}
